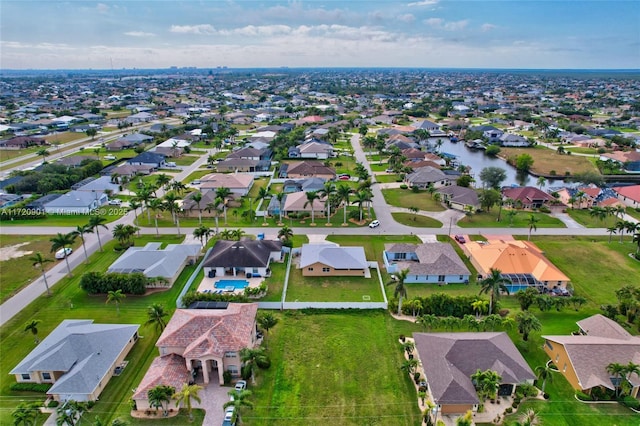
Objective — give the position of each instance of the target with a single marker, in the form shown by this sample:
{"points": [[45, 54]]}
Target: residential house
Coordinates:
{"points": [[459, 197], [244, 165], [583, 358], [157, 161], [306, 169], [317, 150], [199, 345], [629, 195], [426, 176], [491, 134], [433, 263], [251, 257], [630, 160], [249, 153], [578, 198], [528, 197], [238, 183], [511, 140], [306, 185], [297, 202], [426, 125], [21, 142], [78, 358], [154, 262], [141, 117], [75, 160], [450, 359], [331, 260], [100, 184], [522, 262], [130, 171], [76, 202]]}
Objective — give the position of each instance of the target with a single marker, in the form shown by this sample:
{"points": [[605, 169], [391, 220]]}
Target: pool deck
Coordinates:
{"points": [[209, 283]]}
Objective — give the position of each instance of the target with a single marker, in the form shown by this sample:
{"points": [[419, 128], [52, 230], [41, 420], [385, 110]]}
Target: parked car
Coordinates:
{"points": [[63, 252], [228, 413], [241, 385], [460, 239], [171, 164], [109, 157], [344, 177], [374, 224]]}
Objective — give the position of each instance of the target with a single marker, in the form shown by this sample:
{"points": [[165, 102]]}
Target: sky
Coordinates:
{"points": [[551, 34]]}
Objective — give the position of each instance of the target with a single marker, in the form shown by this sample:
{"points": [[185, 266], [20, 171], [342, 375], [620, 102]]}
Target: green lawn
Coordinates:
{"points": [[275, 282], [69, 302], [392, 178], [583, 217], [19, 272], [418, 221], [635, 213], [407, 198], [332, 289], [521, 220], [322, 372], [197, 175], [8, 154], [185, 160]]}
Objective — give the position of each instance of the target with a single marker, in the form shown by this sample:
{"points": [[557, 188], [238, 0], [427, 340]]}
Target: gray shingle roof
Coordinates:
{"points": [[334, 256], [434, 259], [154, 262], [247, 253], [82, 350]]}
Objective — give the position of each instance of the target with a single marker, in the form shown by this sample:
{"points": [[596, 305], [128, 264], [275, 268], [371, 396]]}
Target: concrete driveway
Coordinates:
{"points": [[213, 397]]}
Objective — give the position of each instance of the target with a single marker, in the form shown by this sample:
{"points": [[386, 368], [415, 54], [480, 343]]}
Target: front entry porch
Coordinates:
{"points": [[206, 371]]}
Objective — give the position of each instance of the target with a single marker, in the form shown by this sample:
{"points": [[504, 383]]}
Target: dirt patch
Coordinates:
{"points": [[13, 252]]}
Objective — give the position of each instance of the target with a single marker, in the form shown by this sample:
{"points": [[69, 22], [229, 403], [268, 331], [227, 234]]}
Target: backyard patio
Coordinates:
{"points": [[228, 284]]}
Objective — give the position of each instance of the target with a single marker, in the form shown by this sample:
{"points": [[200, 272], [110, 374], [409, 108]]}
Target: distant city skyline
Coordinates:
{"points": [[521, 34]]}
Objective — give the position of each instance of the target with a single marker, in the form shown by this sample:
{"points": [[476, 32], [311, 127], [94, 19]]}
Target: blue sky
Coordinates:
{"points": [[330, 33]]}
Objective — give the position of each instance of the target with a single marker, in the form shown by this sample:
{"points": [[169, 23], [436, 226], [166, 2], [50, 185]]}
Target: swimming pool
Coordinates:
{"points": [[514, 288], [236, 284]]}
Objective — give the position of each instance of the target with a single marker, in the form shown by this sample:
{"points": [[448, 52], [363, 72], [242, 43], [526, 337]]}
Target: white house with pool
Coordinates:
{"points": [[241, 260]]}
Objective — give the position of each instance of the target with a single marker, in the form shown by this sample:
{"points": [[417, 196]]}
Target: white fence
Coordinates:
{"points": [[322, 305]]}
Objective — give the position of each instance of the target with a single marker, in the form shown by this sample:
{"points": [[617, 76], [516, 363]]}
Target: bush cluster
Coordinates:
{"points": [[102, 283], [442, 305], [631, 402], [54, 177], [194, 296], [31, 387]]}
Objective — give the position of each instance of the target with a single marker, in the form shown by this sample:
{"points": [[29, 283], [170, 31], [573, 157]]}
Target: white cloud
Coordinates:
{"points": [[102, 8], [407, 17], [261, 30], [40, 46], [447, 26], [202, 29], [139, 34], [423, 3], [487, 27]]}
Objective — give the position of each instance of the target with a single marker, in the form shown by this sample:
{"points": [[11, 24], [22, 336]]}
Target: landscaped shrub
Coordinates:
{"points": [[194, 296], [583, 396], [515, 403], [509, 410], [631, 402], [53, 404], [545, 209], [416, 377], [545, 395], [404, 186], [226, 377], [264, 363], [528, 390], [30, 387], [102, 283], [415, 189]]}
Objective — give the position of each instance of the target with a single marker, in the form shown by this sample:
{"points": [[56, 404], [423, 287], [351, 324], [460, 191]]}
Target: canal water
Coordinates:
{"points": [[477, 160]]}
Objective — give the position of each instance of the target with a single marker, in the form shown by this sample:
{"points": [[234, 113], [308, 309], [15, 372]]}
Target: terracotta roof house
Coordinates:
{"points": [[435, 263], [425, 176], [78, 357], [251, 257], [583, 358], [154, 262], [520, 261], [331, 260], [529, 196], [630, 195], [238, 183], [449, 360], [200, 345], [414, 165], [459, 197], [565, 196], [309, 168]]}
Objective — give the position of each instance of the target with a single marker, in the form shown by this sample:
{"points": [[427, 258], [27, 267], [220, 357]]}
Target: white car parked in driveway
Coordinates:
{"points": [[63, 252]]}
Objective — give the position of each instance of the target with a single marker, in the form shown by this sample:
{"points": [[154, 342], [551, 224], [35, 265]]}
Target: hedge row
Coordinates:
{"points": [[31, 387], [102, 283], [194, 296]]}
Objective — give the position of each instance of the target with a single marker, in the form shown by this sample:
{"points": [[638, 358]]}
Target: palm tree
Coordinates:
{"points": [[344, 193], [197, 199], [327, 190], [43, 153], [79, 232], [215, 206], [237, 234], [263, 194], [186, 394], [38, 260], [123, 233], [156, 315], [529, 418], [618, 370], [285, 233], [541, 181], [156, 205], [280, 196], [201, 232], [409, 366], [240, 400], [492, 285], [171, 204], [32, 326], [636, 239], [144, 195], [96, 222], [116, 296], [361, 198], [400, 291], [25, 414], [480, 306], [428, 321], [134, 205], [466, 419], [631, 227], [267, 321], [611, 230], [162, 180], [527, 322], [63, 241], [532, 225], [252, 358], [544, 373], [631, 368], [312, 196], [223, 193], [160, 396]]}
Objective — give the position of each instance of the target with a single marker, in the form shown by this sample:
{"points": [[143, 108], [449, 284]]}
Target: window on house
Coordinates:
{"points": [[229, 354], [557, 358], [401, 255], [564, 369], [233, 369], [26, 377], [440, 277], [46, 376], [326, 269], [548, 344], [309, 269]]}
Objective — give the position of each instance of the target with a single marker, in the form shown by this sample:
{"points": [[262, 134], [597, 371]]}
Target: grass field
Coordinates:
{"points": [[520, 220], [64, 137], [416, 220], [546, 160], [407, 198], [185, 160], [18, 272], [387, 178], [583, 217], [8, 154], [322, 372], [70, 302], [332, 289]]}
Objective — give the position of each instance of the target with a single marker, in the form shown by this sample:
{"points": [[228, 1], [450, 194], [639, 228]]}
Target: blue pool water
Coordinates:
{"points": [[237, 284], [513, 288]]}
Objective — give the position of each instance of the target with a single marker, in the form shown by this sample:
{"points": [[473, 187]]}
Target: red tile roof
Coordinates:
{"points": [[169, 370], [632, 192]]}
